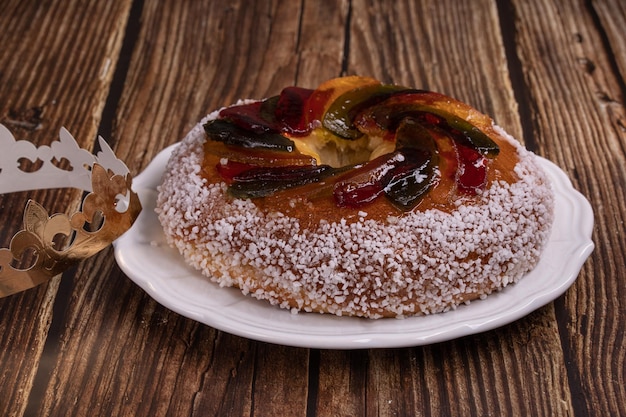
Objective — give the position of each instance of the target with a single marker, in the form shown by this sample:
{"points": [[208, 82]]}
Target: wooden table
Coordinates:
{"points": [[142, 73]]}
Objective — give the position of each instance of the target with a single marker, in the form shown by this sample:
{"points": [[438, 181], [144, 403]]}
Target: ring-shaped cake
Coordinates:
{"points": [[356, 198]]}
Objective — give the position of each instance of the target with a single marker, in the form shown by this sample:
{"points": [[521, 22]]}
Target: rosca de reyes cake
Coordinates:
{"points": [[356, 198]]}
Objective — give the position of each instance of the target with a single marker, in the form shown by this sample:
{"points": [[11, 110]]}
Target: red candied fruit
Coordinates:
{"points": [[289, 110], [356, 195], [472, 172], [232, 169], [284, 113], [249, 117]]}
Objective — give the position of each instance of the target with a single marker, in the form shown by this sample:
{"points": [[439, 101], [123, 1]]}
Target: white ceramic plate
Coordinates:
{"points": [[145, 257]]}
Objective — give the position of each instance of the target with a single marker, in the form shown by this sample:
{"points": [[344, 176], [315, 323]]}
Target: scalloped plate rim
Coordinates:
{"points": [[183, 290]]}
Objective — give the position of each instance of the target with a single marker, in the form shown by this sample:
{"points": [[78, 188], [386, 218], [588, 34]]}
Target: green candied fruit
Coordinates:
{"points": [[264, 181], [388, 116], [340, 115], [468, 134], [230, 134], [409, 181]]}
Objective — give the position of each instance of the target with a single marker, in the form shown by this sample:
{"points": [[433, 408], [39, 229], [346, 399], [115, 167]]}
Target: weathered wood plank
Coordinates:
{"points": [[611, 17], [579, 109], [342, 383], [118, 351], [46, 84]]}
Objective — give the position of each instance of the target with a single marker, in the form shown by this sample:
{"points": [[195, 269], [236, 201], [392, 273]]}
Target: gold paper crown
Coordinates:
{"points": [[109, 209]]}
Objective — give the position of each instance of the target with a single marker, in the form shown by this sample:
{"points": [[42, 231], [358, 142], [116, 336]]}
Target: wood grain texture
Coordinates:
{"points": [[611, 18], [143, 73], [565, 59], [46, 84], [137, 358]]}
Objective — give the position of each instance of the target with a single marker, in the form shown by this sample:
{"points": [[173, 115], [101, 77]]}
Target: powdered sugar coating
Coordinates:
{"points": [[420, 263]]}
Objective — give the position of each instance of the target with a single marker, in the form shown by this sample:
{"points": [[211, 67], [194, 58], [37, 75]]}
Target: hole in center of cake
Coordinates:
{"points": [[330, 150]]}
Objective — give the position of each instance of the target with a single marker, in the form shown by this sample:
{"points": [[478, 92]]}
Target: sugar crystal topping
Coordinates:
{"points": [[421, 262]]}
